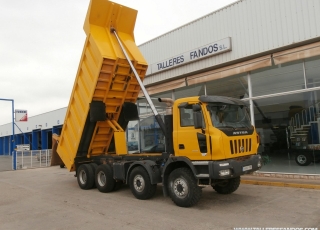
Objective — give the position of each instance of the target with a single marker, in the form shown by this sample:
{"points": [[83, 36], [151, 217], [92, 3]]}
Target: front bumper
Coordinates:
{"points": [[236, 167]]}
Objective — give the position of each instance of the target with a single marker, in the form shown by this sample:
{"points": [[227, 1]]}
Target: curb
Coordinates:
{"points": [[281, 184], [278, 175]]}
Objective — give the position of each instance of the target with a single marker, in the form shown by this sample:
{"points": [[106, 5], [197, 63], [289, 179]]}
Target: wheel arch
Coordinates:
{"points": [[172, 164], [150, 166]]}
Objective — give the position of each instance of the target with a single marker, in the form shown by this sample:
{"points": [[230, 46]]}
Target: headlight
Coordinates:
{"points": [[259, 164], [224, 172]]}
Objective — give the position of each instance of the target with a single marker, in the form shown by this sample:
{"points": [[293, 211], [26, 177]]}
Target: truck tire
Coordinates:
{"points": [[183, 188], [104, 178], [140, 184], [85, 176], [94, 167], [117, 185], [228, 186], [303, 159]]}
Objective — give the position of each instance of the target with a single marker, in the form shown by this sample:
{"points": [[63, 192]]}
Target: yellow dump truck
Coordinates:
{"points": [[209, 140]]}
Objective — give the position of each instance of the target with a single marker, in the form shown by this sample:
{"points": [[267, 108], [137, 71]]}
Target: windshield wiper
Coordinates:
{"points": [[246, 126], [227, 126]]}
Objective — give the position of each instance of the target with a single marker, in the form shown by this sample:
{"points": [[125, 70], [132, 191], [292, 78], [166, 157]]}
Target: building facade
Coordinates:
{"points": [[36, 132], [264, 52]]}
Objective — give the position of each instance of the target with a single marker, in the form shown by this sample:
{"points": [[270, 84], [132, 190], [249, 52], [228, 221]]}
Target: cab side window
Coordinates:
{"points": [[186, 116]]}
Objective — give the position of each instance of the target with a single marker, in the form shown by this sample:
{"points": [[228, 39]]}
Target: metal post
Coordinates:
{"points": [[12, 152], [205, 89], [139, 131], [31, 158], [250, 100], [304, 75], [22, 155]]}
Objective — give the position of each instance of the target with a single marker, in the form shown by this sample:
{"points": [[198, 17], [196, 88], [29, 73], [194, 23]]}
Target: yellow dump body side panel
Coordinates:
{"points": [[103, 75]]}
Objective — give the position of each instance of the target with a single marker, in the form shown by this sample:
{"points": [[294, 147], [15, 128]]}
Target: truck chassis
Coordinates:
{"points": [[181, 178]]}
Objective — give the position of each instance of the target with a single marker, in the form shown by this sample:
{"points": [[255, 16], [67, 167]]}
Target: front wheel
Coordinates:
{"points": [[227, 186], [183, 188], [303, 159], [140, 184]]}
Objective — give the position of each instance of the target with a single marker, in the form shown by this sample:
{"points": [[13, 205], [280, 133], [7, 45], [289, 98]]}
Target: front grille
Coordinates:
{"points": [[240, 146]]}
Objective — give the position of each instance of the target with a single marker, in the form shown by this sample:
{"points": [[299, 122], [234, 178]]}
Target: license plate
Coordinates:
{"points": [[246, 168]]}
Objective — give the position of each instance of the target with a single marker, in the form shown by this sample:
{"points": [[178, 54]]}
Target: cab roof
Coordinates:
{"points": [[221, 99]]}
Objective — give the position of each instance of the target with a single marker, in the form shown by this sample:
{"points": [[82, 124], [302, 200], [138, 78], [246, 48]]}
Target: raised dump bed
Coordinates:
{"points": [[104, 75]]}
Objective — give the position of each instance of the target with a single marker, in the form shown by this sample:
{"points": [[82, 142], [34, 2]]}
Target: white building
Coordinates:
{"points": [[264, 52]]}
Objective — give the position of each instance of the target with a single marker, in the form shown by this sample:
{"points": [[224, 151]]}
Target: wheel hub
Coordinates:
{"points": [[83, 177], [101, 178], [302, 159], [139, 183], [180, 188]]}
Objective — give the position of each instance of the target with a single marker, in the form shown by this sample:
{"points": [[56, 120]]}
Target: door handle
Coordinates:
{"points": [[181, 146]]}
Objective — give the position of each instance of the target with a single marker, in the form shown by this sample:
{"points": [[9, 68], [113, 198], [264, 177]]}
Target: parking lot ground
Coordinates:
{"points": [[49, 198], [5, 163]]}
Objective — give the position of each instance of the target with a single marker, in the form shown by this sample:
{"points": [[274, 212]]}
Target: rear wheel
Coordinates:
{"points": [[117, 185], [303, 159], [140, 184], [85, 176], [104, 178], [227, 186], [94, 167], [183, 188]]}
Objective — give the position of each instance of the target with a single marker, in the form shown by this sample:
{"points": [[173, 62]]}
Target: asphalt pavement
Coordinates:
{"points": [[5, 163], [49, 198]]}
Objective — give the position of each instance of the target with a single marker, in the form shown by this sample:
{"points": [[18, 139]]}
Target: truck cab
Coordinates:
{"points": [[212, 128]]}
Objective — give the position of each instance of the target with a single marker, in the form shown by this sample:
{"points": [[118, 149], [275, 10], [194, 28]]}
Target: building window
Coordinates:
{"points": [[312, 66], [289, 132], [235, 86], [278, 79], [190, 91]]}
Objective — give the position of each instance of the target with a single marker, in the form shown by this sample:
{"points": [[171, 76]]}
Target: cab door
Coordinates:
{"points": [[190, 142]]}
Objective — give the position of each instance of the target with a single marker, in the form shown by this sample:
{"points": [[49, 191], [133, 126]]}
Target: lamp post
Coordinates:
{"points": [[14, 164]]}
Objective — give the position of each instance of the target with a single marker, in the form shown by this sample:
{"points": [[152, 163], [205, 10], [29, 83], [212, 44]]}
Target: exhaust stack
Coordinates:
{"points": [[169, 103]]}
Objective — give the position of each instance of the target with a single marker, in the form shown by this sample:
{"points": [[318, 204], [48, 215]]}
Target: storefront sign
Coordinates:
{"points": [[23, 147], [21, 115], [214, 48]]}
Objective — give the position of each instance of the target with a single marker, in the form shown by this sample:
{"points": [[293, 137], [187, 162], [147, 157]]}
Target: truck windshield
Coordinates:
{"points": [[229, 116]]}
